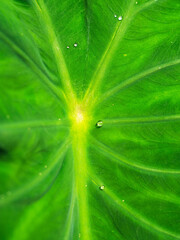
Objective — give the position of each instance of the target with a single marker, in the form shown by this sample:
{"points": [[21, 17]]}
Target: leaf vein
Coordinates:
{"points": [[136, 78]]}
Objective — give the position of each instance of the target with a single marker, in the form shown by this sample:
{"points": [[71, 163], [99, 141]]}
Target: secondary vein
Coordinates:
{"points": [[31, 124], [137, 77], [149, 119], [42, 75], [46, 21], [17, 193], [140, 219], [117, 36], [124, 161]]}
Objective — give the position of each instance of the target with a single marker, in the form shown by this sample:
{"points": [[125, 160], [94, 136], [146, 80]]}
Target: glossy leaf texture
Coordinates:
{"points": [[89, 119]]}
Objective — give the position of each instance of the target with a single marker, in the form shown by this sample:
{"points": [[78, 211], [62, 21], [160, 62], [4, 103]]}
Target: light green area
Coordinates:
{"points": [[89, 120]]}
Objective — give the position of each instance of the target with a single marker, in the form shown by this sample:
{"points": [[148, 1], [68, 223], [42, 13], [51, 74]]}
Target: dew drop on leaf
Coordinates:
{"points": [[120, 18], [75, 45], [101, 187], [99, 124]]}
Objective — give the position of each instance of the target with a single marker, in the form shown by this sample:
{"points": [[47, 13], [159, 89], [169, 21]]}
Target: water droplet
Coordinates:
{"points": [[136, 2], [45, 166], [75, 45], [59, 119], [99, 124], [40, 173], [122, 200], [68, 47], [101, 187], [120, 18], [115, 15]]}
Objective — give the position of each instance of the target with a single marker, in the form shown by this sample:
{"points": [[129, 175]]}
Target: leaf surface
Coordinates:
{"points": [[90, 120]]}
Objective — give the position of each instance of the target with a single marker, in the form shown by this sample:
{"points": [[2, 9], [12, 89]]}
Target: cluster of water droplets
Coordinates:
{"points": [[74, 45], [40, 173], [119, 18], [99, 124]]}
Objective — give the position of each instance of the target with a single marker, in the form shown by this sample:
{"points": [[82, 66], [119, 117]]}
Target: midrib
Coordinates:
{"points": [[79, 145], [78, 130]]}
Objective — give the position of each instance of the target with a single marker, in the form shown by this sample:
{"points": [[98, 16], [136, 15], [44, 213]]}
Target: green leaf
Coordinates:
{"points": [[90, 120]]}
